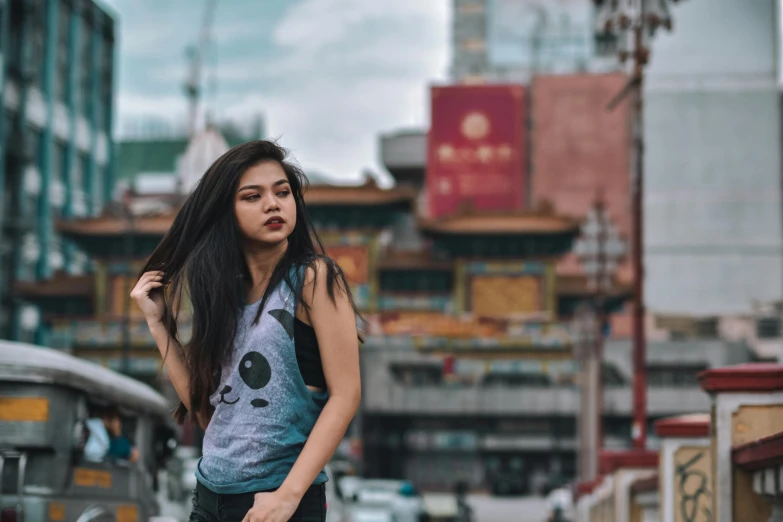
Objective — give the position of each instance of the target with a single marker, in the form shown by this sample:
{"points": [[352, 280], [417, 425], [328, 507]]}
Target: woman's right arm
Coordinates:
{"points": [[152, 307]]}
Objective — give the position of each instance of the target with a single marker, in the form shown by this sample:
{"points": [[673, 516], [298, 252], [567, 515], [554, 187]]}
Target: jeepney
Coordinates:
{"points": [[46, 398]]}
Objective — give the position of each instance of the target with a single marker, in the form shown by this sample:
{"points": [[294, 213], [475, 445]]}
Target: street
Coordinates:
{"points": [[502, 509]]}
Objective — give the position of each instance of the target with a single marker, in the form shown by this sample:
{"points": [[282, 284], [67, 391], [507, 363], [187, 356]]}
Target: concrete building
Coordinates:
{"points": [[713, 190], [434, 423], [493, 419], [56, 150], [511, 40]]}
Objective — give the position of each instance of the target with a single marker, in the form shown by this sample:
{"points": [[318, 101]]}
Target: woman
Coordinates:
{"points": [[271, 370]]}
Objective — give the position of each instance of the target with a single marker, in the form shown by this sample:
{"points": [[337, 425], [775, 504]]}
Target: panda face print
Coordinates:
{"points": [[255, 372], [254, 368]]}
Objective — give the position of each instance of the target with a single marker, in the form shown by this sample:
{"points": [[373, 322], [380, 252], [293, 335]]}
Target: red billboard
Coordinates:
{"points": [[475, 149]]}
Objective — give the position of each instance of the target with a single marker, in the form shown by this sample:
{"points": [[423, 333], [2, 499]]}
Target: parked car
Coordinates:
{"points": [[560, 505], [369, 512], [181, 476]]}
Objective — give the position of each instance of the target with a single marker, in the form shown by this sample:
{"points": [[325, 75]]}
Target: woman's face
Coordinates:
{"points": [[264, 205]]}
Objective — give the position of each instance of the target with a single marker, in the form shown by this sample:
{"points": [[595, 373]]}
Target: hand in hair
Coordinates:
{"points": [[151, 303]]}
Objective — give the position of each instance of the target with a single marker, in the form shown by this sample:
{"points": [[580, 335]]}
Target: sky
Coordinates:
{"points": [[328, 75]]}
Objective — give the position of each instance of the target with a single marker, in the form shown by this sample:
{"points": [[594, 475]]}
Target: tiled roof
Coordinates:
{"points": [[367, 194], [505, 223]]}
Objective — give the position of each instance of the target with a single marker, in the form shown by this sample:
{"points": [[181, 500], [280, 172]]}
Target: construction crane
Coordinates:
{"points": [[196, 55]]}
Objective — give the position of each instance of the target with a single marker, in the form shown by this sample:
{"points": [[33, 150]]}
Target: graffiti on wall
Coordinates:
{"points": [[692, 485]]}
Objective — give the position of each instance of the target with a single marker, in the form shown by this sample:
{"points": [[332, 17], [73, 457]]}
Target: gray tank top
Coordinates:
{"points": [[264, 412]]}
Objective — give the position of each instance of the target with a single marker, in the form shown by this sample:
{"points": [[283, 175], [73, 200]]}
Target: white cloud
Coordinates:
{"points": [[313, 24], [350, 87], [335, 75]]}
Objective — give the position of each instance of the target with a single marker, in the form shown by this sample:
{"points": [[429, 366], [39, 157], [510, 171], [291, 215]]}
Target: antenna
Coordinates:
{"points": [[196, 55]]}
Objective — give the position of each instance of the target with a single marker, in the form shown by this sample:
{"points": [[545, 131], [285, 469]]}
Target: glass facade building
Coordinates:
{"points": [[56, 147]]}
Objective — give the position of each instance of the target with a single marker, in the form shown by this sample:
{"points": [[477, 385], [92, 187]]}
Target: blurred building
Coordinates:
{"points": [[56, 151], [497, 422], [761, 329], [512, 40], [713, 234], [713, 169], [445, 399]]}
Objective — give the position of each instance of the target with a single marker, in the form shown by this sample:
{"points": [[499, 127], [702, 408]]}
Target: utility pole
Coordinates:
{"points": [[196, 55], [600, 249], [635, 22]]}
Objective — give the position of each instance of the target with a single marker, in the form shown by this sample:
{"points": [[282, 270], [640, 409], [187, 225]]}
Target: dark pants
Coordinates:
{"points": [[212, 507]]}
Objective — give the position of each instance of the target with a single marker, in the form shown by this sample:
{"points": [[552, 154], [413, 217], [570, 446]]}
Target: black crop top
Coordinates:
{"points": [[308, 356]]}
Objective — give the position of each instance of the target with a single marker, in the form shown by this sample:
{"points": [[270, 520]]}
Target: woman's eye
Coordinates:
{"points": [[252, 197], [283, 193]]}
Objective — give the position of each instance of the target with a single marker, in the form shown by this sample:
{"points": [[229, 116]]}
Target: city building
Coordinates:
{"points": [[56, 149], [513, 40], [713, 235], [467, 367], [494, 420], [448, 401]]}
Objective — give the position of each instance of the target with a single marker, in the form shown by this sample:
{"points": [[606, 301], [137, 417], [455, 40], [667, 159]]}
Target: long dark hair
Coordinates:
{"points": [[201, 255]]}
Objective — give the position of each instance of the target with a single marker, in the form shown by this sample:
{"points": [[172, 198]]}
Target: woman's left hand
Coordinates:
{"points": [[271, 507]]}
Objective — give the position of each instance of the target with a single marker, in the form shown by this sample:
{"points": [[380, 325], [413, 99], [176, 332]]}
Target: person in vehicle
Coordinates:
{"points": [[120, 446], [271, 370]]}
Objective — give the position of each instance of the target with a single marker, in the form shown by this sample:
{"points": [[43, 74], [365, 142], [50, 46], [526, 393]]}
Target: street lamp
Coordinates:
{"points": [[635, 22], [600, 249]]}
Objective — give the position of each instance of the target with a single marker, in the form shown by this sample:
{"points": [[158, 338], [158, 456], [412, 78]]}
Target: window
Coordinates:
{"points": [[16, 10], [87, 181], [510, 380], [611, 376], [85, 68], [425, 281], [97, 189], [31, 251], [59, 180], [56, 254], [106, 84], [768, 327], [416, 374], [605, 44], [63, 48], [707, 328], [38, 42], [79, 185], [674, 376], [65, 177]]}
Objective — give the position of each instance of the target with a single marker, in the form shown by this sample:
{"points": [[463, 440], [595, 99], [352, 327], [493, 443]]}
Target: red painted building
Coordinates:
{"points": [[580, 149]]}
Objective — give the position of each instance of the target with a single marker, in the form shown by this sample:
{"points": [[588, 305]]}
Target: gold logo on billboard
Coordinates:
{"points": [[475, 126], [446, 153]]}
